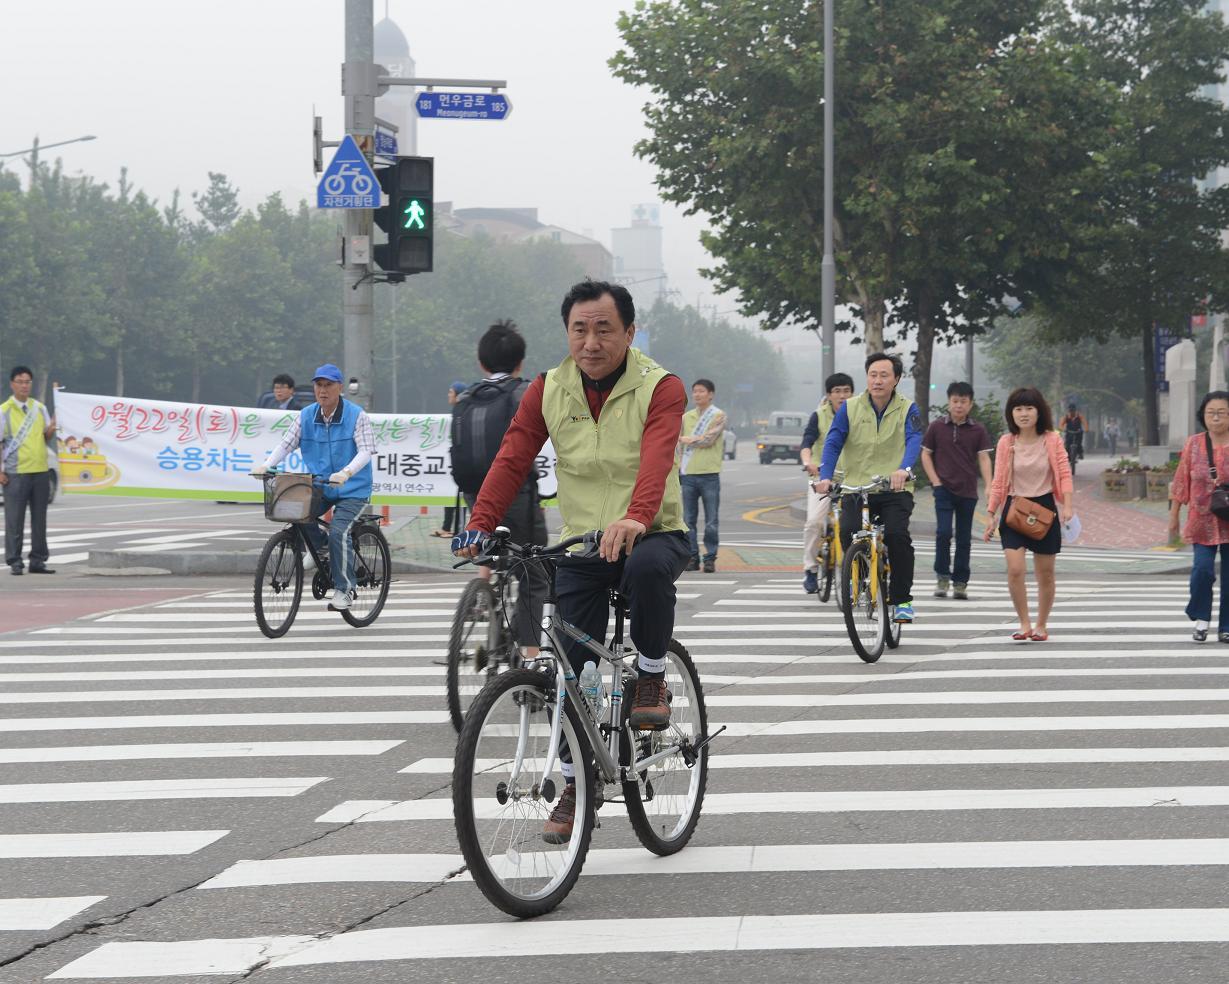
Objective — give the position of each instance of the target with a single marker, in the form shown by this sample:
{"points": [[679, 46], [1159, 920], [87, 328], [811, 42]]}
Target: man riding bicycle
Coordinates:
{"points": [[337, 442], [879, 433], [1074, 426], [613, 416]]}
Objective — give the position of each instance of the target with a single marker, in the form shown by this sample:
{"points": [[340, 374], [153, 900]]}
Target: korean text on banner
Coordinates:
{"points": [[120, 446]]}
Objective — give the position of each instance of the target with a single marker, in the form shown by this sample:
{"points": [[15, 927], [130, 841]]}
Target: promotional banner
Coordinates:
{"points": [[119, 446]]}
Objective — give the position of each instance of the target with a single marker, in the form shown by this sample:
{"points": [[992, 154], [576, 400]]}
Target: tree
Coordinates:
{"points": [[218, 204], [1160, 257], [942, 106]]}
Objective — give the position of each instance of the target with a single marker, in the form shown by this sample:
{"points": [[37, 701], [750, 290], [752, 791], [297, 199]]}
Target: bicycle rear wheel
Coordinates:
{"points": [[826, 569], [372, 574], [279, 584], [499, 811], [866, 617], [664, 804], [475, 648]]}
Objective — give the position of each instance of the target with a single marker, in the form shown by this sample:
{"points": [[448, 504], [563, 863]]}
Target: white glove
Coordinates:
{"points": [[259, 470], [339, 478]]}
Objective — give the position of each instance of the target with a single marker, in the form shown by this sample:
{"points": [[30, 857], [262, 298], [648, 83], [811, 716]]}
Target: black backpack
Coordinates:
{"points": [[479, 421]]}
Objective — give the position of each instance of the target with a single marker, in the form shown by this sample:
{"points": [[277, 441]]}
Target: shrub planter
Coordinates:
{"points": [[1158, 483]]}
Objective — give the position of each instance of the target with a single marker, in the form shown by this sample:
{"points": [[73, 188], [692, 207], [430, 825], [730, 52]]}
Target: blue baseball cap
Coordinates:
{"points": [[459, 387], [328, 371]]}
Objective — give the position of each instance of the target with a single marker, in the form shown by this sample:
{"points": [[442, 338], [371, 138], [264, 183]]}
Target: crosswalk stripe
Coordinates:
{"points": [[108, 844], [749, 859], [43, 913], [716, 700], [192, 750], [254, 719], [843, 801], [908, 756], [154, 789], [746, 933], [1096, 722]]}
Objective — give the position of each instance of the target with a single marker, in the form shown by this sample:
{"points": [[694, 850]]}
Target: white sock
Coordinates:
{"points": [[652, 665], [568, 770], [1201, 625]]}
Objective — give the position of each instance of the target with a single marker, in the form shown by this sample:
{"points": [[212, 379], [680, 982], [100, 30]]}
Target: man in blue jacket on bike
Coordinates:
{"points": [[336, 442]]}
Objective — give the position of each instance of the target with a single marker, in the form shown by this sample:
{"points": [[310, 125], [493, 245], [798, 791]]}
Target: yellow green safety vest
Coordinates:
{"points": [[597, 461], [874, 446], [824, 413], [32, 455], [703, 461]]}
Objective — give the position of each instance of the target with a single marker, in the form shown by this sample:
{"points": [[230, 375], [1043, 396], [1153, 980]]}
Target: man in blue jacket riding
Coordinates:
{"points": [[337, 442]]}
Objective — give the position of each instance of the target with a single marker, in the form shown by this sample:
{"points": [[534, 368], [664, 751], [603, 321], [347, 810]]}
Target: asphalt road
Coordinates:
{"points": [[967, 809]]}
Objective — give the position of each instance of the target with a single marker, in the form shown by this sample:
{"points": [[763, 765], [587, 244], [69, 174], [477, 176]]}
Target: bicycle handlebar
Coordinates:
{"points": [[877, 484], [273, 473], [501, 540]]}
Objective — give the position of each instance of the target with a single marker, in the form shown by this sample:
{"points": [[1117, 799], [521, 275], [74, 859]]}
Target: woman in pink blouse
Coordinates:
{"points": [[1192, 487], [1030, 461]]}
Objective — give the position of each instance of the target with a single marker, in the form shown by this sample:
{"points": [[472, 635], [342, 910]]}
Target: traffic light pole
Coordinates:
{"points": [[358, 88], [828, 263]]}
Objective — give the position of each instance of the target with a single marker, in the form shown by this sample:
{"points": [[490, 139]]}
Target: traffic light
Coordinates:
{"points": [[407, 218]]}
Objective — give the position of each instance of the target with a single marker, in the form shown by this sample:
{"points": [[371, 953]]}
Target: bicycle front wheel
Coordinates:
{"points": [[501, 799], [664, 801], [866, 612], [826, 570], [279, 584], [473, 648], [372, 574]]}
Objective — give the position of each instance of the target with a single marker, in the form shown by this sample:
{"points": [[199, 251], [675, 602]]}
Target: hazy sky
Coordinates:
{"points": [[174, 90]]}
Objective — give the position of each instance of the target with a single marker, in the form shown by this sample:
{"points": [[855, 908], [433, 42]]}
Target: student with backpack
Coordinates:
{"points": [[480, 418]]}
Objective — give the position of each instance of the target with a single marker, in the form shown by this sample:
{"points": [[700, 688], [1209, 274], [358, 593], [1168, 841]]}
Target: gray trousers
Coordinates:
{"points": [[31, 490]]}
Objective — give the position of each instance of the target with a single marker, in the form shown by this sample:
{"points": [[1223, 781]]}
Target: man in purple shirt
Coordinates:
{"points": [[954, 449]]}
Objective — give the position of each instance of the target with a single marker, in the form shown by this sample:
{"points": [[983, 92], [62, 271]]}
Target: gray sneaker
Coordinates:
{"points": [[941, 587], [960, 591]]}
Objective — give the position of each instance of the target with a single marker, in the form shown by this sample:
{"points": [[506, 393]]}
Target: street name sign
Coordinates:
{"points": [[462, 106], [348, 181], [386, 143]]}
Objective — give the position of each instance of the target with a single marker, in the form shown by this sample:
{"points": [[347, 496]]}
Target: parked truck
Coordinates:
{"points": [[782, 439]]}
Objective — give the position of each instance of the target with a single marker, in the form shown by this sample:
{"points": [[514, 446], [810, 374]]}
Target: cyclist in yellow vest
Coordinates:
{"points": [[701, 450], [25, 429], [837, 389], [613, 416], [879, 433]]}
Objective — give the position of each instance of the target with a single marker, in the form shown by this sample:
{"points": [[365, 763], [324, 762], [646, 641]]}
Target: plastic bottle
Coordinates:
{"points": [[591, 687]]}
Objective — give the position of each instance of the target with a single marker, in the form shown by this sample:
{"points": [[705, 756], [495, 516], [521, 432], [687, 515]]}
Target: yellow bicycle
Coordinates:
{"points": [[865, 576], [830, 555]]}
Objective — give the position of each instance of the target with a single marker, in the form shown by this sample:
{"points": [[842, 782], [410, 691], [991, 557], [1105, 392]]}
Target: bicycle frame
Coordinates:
{"points": [[870, 531]]}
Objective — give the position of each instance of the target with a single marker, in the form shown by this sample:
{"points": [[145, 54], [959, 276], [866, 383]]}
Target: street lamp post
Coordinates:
{"points": [[828, 267], [33, 151]]}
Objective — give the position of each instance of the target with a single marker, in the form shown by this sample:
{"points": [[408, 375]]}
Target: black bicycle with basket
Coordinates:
{"points": [[295, 499]]}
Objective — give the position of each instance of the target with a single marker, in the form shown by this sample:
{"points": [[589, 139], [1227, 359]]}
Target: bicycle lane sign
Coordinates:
{"points": [[348, 181]]}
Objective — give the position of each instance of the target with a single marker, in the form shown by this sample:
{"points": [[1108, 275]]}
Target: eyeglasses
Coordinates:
{"points": [[1216, 414]]}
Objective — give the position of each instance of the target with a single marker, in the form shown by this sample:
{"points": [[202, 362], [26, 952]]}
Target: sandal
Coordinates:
{"points": [[1039, 636], [1022, 636]]}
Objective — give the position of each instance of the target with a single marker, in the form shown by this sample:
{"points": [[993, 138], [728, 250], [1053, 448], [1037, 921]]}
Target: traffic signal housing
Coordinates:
{"points": [[409, 183]]}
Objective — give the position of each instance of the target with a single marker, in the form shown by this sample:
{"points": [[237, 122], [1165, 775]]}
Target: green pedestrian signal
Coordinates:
{"points": [[414, 213], [408, 184]]}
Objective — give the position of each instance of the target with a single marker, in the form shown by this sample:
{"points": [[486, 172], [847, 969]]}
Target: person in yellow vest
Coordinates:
{"points": [[700, 452], [613, 416], [879, 433], [837, 389], [25, 429]]}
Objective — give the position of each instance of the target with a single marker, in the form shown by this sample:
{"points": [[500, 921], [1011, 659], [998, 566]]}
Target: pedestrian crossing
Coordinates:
{"points": [[73, 546], [965, 795]]}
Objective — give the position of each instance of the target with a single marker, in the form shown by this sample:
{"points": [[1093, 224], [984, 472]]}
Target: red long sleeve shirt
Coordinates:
{"points": [[527, 433]]}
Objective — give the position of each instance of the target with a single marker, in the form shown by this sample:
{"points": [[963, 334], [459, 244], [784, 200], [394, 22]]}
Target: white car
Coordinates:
{"points": [[730, 443]]}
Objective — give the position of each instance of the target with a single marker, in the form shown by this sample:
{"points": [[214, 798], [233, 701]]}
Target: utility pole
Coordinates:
{"points": [[968, 360], [358, 88], [828, 267]]}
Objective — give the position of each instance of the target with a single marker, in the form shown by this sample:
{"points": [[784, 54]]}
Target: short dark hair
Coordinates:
{"points": [[1028, 396], [1203, 405], [838, 379], [19, 370], [898, 367], [283, 379], [501, 348], [708, 384], [591, 290], [960, 388]]}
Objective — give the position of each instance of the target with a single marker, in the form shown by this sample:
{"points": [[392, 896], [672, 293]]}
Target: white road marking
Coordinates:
{"points": [[194, 750], [119, 844], [253, 719], [1096, 722], [968, 697], [748, 933], [841, 801], [154, 789], [749, 859], [220, 693], [44, 913]]}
